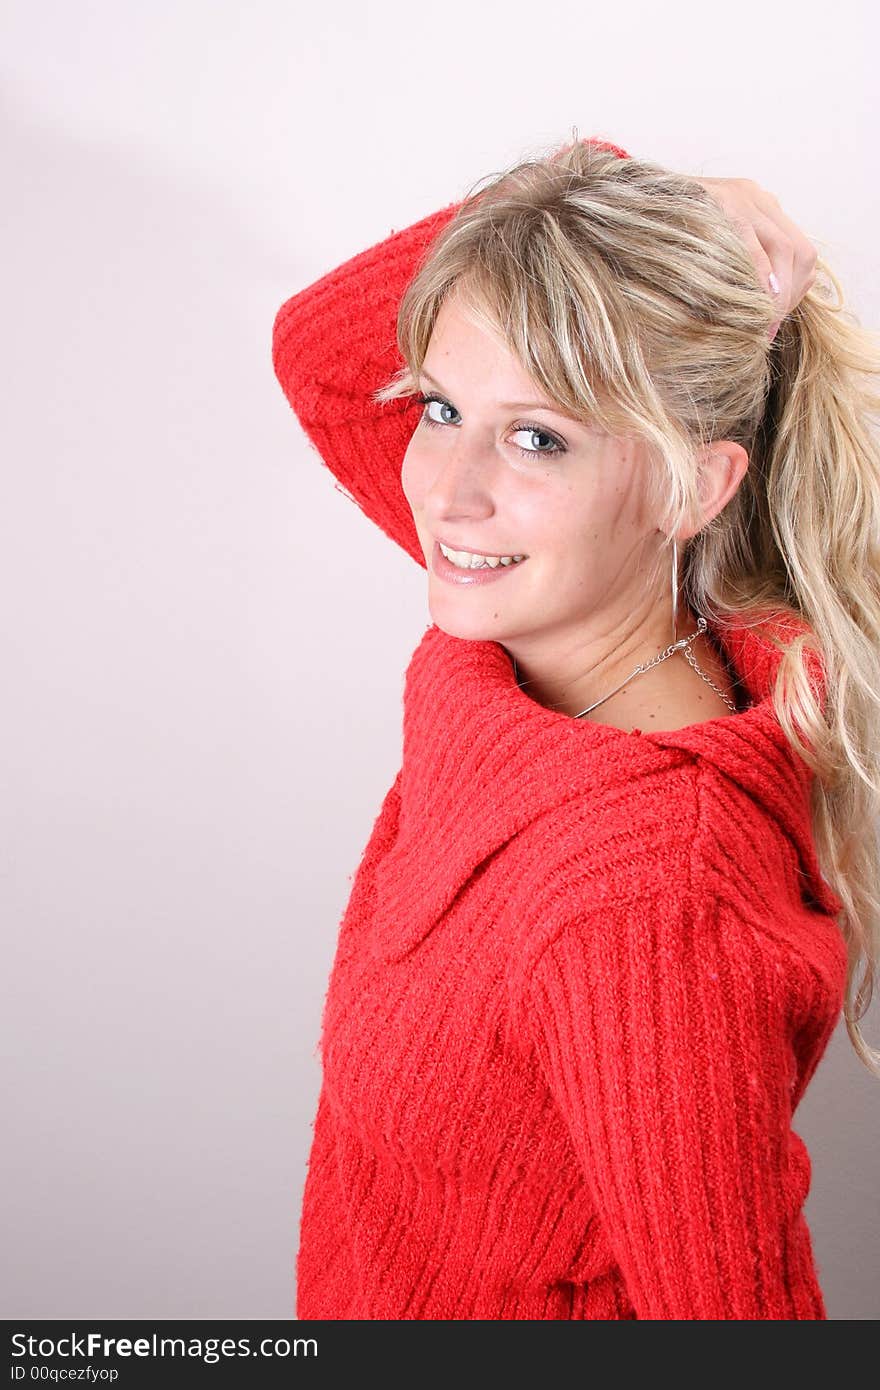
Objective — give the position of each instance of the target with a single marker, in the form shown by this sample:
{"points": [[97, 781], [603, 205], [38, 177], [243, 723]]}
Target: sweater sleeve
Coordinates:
{"points": [[334, 343], [662, 1030]]}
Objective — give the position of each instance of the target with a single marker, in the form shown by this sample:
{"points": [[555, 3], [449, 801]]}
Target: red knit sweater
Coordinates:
{"points": [[584, 976]]}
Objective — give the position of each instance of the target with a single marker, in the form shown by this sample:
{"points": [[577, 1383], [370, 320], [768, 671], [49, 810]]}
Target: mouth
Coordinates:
{"points": [[474, 559], [470, 566]]}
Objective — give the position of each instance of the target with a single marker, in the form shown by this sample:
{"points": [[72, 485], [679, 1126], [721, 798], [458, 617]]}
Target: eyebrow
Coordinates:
{"points": [[510, 405]]}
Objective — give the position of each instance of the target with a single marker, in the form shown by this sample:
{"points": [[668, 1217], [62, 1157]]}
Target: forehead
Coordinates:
{"points": [[467, 348]]}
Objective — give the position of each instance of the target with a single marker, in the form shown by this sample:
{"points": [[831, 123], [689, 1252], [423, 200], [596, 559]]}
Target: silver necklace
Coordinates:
{"points": [[682, 645]]}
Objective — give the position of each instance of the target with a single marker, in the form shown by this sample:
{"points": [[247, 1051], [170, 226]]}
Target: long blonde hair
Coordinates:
{"points": [[631, 299]]}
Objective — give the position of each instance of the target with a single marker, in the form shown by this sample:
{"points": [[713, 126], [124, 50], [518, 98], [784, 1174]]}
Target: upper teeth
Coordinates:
{"points": [[467, 560]]}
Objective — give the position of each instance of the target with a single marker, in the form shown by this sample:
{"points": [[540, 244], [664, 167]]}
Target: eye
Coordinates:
{"points": [[552, 445], [535, 432], [427, 401]]}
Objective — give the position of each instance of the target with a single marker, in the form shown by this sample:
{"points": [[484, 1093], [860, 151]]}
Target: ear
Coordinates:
{"points": [[721, 468]]}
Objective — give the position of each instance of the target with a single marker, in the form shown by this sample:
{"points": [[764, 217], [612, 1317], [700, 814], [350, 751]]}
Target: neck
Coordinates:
{"points": [[575, 675]]}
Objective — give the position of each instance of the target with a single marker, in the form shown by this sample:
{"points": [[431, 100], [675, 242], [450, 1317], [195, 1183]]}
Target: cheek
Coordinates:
{"points": [[412, 477], [554, 520]]}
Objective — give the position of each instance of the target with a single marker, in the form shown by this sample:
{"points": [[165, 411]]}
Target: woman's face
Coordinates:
{"points": [[493, 469]]}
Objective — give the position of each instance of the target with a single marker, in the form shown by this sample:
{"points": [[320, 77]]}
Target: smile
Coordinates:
{"points": [[473, 559], [469, 567]]}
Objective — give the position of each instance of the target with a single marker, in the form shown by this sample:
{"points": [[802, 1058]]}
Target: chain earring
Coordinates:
{"points": [[674, 589], [683, 646]]}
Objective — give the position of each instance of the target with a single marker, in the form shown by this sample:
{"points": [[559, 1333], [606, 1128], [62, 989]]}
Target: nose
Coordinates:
{"points": [[461, 485]]}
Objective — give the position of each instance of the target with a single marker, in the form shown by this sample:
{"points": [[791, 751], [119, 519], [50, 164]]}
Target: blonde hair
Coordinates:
{"points": [[631, 299]]}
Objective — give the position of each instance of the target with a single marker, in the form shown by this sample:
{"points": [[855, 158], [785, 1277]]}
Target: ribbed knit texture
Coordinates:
{"points": [[584, 976]]}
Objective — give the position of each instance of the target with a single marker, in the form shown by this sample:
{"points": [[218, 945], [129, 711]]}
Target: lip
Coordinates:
{"points": [[445, 569], [486, 554]]}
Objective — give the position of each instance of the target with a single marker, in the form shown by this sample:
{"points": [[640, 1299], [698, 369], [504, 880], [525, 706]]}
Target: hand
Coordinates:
{"points": [[778, 248]]}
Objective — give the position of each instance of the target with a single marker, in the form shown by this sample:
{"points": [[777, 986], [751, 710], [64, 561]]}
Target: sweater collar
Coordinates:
{"points": [[482, 760]]}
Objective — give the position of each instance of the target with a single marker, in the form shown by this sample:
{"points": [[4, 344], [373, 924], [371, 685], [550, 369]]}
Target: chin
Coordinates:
{"points": [[455, 620]]}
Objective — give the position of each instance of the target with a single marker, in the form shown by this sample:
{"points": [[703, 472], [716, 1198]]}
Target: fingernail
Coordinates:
{"points": [[773, 283]]}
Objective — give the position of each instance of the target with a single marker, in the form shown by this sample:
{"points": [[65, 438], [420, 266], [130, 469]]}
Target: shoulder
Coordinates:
{"points": [[612, 852], [675, 807], [681, 834], [717, 875], [610, 838]]}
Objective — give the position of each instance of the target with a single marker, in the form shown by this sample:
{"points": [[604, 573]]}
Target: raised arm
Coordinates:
{"points": [[333, 344]]}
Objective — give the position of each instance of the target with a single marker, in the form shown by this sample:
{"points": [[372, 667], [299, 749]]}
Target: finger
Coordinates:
{"points": [[765, 268], [805, 254], [764, 265], [744, 201], [778, 254]]}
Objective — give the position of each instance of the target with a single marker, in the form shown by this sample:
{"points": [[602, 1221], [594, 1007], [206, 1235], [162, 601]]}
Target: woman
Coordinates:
{"points": [[591, 961]]}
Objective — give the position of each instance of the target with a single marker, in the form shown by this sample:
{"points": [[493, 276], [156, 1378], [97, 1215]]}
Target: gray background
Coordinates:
{"points": [[204, 642]]}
